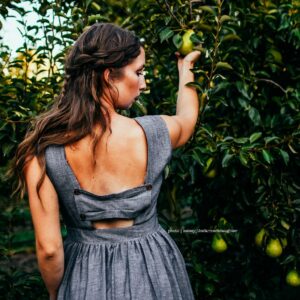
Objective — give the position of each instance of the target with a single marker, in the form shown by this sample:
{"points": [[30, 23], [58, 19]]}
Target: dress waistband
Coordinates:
{"points": [[112, 235]]}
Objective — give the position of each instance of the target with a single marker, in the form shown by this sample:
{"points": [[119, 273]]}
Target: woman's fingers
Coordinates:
{"points": [[192, 56]]}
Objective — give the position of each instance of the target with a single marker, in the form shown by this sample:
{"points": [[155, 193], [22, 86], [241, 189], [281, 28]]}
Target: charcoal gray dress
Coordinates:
{"points": [[134, 263]]}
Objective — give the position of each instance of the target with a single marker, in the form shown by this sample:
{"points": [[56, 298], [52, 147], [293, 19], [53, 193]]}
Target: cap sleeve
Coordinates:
{"points": [[160, 146], [163, 138]]}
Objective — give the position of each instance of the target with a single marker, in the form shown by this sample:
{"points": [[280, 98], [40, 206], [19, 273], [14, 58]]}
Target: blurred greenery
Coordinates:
{"points": [[239, 171]]}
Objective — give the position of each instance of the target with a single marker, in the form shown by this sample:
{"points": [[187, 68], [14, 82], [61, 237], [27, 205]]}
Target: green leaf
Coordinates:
{"points": [[196, 243], [205, 27], [288, 259], [296, 202], [292, 149], [223, 65], [198, 268], [166, 171], [95, 6], [243, 158], [177, 40], [261, 198], [285, 225], [125, 22], [87, 3], [243, 88], [92, 19], [6, 148], [273, 11], [270, 139], [267, 156], [231, 37], [165, 34], [242, 140], [197, 157], [226, 159], [207, 9], [253, 156], [196, 39], [225, 18], [197, 85], [211, 275], [154, 17], [285, 156], [243, 103], [140, 106], [255, 136], [167, 20], [254, 115]]}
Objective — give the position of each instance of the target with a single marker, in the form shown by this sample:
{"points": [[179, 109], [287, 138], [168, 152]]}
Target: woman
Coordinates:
{"points": [[103, 172]]}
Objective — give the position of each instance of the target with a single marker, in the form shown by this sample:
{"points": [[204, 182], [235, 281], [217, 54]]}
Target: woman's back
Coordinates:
{"points": [[120, 166], [121, 163]]}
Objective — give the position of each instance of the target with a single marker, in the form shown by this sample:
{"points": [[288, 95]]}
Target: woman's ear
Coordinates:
{"points": [[107, 75]]}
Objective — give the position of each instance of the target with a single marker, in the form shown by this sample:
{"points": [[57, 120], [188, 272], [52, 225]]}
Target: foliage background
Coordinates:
{"points": [[241, 163]]}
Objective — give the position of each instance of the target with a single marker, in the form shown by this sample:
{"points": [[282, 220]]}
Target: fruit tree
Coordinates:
{"points": [[241, 164]]}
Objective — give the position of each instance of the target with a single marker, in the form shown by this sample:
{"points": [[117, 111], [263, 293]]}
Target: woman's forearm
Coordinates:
{"points": [[51, 267], [187, 101]]}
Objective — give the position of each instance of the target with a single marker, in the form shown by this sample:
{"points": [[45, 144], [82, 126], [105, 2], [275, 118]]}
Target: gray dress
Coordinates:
{"points": [[137, 262]]}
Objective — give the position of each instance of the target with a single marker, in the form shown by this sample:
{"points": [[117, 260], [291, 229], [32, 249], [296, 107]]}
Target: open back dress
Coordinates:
{"points": [[133, 263]]}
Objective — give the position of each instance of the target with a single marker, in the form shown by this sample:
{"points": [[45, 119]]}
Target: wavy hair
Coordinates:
{"points": [[79, 107]]}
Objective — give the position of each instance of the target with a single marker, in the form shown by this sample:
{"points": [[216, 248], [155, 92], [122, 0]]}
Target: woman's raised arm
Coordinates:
{"points": [[182, 125], [45, 216]]}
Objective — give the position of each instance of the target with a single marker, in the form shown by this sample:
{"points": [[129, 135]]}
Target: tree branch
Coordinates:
{"points": [[271, 81]]}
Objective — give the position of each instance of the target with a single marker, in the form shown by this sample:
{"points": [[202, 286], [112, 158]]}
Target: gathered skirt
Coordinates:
{"points": [[146, 267]]}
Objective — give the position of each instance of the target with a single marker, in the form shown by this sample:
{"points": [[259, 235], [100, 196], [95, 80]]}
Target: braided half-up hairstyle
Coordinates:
{"points": [[79, 108]]}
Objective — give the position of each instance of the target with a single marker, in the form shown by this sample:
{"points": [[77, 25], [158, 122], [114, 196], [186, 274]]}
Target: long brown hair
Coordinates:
{"points": [[78, 108]]}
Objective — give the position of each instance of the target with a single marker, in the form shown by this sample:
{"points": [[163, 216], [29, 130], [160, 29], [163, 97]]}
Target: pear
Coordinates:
{"points": [[187, 44], [211, 174], [259, 237], [274, 248], [293, 278], [218, 244]]}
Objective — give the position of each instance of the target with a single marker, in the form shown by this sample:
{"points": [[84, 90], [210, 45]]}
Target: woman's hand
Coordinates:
{"points": [[188, 60]]}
